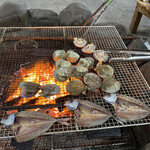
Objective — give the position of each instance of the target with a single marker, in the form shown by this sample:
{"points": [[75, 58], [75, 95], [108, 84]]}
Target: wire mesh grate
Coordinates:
{"points": [[26, 47]]}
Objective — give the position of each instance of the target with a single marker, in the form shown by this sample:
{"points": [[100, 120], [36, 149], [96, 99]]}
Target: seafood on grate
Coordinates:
{"points": [[62, 74], [88, 114], [100, 55], [86, 62], [90, 48], [72, 56], [79, 71], [76, 87], [104, 71], [79, 42], [28, 125], [50, 89], [110, 85], [129, 109], [29, 89], [92, 81], [62, 63], [59, 54]]}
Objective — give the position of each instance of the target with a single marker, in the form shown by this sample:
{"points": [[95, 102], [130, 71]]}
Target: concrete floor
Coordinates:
{"points": [[119, 11]]}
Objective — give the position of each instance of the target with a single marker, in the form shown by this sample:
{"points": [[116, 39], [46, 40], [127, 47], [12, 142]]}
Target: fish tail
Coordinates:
{"points": [[64, 121]]}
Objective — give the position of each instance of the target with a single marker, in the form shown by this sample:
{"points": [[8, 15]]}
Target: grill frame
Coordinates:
{"points": [[106, 38]]}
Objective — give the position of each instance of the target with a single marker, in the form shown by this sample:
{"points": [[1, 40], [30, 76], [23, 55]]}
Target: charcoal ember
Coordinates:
{"points": [[39, 17], [74, 14]]}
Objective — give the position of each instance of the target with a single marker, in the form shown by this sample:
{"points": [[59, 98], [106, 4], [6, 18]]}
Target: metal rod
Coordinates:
{"points": [[123, 59]]}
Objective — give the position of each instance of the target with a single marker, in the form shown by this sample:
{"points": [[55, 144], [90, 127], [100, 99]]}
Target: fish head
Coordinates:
{"points": [[72, 104], [9, 121]]}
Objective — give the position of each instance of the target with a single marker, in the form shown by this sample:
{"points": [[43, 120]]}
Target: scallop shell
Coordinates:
{"points": [[92, 80], [76, 87], [83, 62], [25, 94], [29, 87], [90, 62], [62, 63], [62, 74], [79, 42], [104, 71], [50, 89], [59, 54], [79, 71], [110, 85], [100, 55], [72, 56], [90, 48]]}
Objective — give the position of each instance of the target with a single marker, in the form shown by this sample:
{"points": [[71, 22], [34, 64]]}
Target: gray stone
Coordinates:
{"points": [[120, 28], [13, 14], [39, 17], [74, 14], [145, 69]]}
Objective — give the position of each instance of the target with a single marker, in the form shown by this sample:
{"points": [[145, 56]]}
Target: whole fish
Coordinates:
{"points": [[88, 114], [128, 108], [28, 125]]}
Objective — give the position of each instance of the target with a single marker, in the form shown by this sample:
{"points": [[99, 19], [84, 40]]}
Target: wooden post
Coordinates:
{"points": [[135, 20]]}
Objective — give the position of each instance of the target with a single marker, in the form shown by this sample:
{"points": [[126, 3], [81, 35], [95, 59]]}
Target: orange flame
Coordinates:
{"points": [[42, 73]]}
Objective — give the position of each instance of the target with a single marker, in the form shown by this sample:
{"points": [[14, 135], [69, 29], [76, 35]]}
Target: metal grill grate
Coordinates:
{"points": [[12, 55]]}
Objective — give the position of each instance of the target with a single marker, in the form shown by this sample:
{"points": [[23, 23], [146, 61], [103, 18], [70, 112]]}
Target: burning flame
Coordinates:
{"points": [[42, 73]]}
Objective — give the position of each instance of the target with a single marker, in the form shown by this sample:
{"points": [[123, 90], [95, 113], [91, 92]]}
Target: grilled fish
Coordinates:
{"points": [[129, 109], [88, 114], [28, 125]]}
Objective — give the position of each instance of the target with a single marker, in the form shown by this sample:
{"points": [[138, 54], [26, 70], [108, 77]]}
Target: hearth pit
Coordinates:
{"points": [[27, 61]]}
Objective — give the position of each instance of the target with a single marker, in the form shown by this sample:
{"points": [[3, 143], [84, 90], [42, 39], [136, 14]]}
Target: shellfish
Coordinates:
{"points": [[59, 54], [62, 63], [72, 56], [100, 55], [90, 48], [79, 42]]}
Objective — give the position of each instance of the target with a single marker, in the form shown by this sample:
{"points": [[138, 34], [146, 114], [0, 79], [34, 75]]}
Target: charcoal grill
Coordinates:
{"points": [[50, 39]]}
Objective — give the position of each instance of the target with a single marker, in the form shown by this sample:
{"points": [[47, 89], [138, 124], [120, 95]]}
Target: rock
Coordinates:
{"points": [[13, 14], [39, 17], [120, 28], [74, 14], [145, 69]]}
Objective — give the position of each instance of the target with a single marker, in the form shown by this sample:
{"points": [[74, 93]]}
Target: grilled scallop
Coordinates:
{"points": [[90, 48], [110, 85], [79, 42], [100, 55], [72, 56], [62, 63], [104, 71], [86, 62], [59, 54]]}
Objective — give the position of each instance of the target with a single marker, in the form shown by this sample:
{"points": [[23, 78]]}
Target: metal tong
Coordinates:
{"points": [[141, 55]]}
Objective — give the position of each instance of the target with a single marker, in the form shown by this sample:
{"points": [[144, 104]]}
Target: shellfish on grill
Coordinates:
{"points": [[129, 109], [100, 55], [72, 56], [110, 85], [79, 42], [62, 63], [59, 54], [76, 87], [92, 81], [90, 48], [79, 71], [62, 74], [104, 71], [86, 62], [88, 114], [29, 89], [50, 89]]}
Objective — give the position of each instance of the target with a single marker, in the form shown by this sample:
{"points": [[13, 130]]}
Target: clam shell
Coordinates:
{"points": [[62, 74], [29, 87], [59, 54], [92, 80], [90, 48], [90, 62], [79, 42], [104, 71], [76, 87], [83, 62], [110, 85], [79, 71], [25, 94], [62, 63], [72, 56], [100, 55], [50, 89]]}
